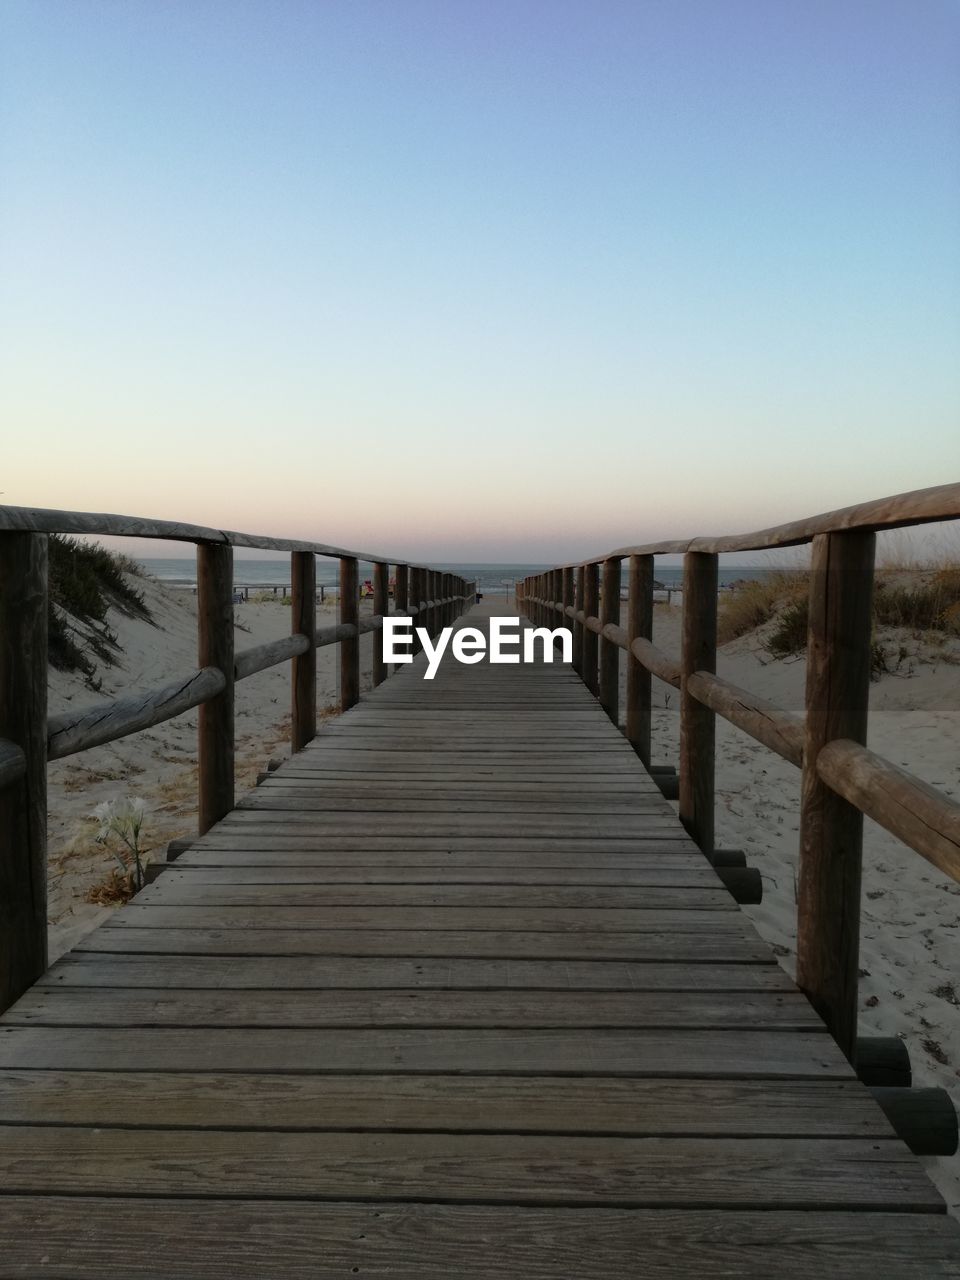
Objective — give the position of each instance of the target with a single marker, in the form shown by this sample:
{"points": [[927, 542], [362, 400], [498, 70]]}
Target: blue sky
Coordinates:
{"points": [[470, 280]]}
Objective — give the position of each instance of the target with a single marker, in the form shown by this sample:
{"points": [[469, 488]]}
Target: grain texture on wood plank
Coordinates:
{"points": [[402, 1008], [700, 947], [275, 871], [431, 850], [543, 919], [531, 1104], [700, 1173], [290, 973], [161, 1239], [188, 892], [747, 1054]]}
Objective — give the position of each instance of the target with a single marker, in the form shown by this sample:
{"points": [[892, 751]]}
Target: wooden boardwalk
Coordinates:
{"points": [[450, 994]]}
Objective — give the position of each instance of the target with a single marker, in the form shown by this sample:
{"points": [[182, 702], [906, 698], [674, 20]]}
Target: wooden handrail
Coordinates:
{"points": [[779, 730], [841, 780], [28, 738], [103, 524], [908, 808], [921, 506], [73, 731]]}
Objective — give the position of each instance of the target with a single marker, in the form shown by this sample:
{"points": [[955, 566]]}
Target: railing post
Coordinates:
{"points": [[610, 652], [381, 606], [578, 627], [23, 802], [416, 602], [215, 648], [831, 829], [349, 611], [401, 590], [591, 601], [639, 625], [697, 722], [566, 592], [303, 621]]}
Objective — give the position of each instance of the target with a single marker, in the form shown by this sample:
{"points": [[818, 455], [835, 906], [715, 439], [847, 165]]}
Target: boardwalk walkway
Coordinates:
{"points": [[450, 994]]}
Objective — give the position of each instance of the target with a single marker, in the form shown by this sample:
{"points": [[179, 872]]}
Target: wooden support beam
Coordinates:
{"points": [[609, 682], [303, 621], [215, 649], [578, 628], [416, 601], [639, 626], [401, 589], [23, 801], [566, 596], [697, 722], [349, 614], [381, 606], [831, 829], [591, 601]]}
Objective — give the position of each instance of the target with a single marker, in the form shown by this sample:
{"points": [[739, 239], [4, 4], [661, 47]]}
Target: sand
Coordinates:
{"points": [[910, 949]]}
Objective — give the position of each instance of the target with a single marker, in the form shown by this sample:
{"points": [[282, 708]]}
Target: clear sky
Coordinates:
{"points": [[470, 279]]}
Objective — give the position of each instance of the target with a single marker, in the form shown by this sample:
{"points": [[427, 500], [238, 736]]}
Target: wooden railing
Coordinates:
{"points": [[29, 738], [841, 780]]}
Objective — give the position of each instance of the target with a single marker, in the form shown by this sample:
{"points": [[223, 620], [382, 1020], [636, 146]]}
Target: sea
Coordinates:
{"points": [[494, 579]]}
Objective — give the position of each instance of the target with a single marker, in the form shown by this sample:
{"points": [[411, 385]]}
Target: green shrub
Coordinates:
{"points": [[753, 603], [932, 604], [85, 581], [789, 636]]}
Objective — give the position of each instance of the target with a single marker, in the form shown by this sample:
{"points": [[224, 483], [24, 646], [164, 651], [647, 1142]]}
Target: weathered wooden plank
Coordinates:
{"points": [[701, 1173], [492, 789], [273, 871], [502, 1104], [700, 947], [186, 891], [746, 1054], [46, 1007], [467, 761], [162, 1239], [532, 919], [317, 800], [520, 850], [299, 972], [475, 825]]}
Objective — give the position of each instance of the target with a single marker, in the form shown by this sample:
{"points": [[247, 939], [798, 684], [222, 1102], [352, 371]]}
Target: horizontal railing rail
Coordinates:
{"points": [[841, 779], [29, 738]]}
